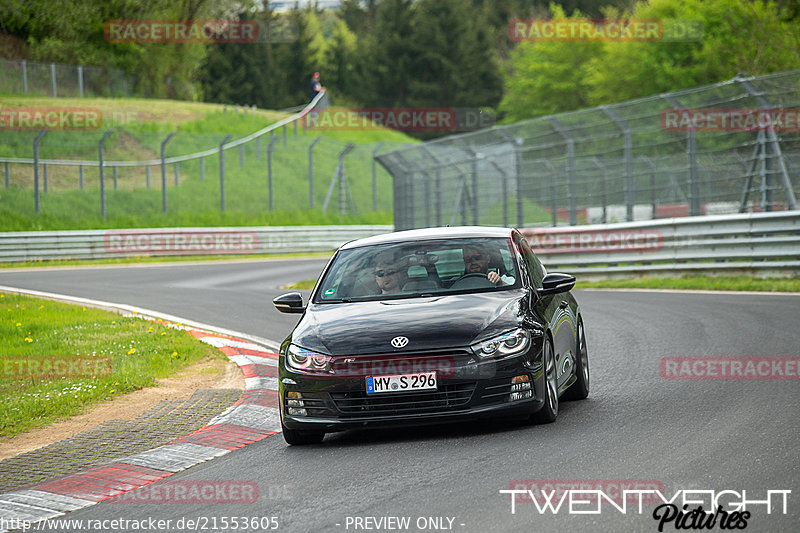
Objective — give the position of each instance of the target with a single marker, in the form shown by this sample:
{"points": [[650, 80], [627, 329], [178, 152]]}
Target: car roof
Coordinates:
{"points": [[431, 233]]}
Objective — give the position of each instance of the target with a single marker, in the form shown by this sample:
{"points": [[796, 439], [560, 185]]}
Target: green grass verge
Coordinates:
{"points": [[35, 330], [710, 283], [304, 285]]}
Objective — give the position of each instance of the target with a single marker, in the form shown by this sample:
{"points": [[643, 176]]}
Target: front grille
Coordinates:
{"points": [[447, 398], [443, 363]]}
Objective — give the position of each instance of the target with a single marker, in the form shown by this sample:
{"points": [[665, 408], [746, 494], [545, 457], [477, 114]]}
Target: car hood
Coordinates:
{"points": [[430, 323]]}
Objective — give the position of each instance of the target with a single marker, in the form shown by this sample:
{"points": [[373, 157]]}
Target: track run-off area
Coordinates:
{"points": [[644, 425]]}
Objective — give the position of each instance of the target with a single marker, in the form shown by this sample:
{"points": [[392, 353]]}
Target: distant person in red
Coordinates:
{"points": [[315, 87]]}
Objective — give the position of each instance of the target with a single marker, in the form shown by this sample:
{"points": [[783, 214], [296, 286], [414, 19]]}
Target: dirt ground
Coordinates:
{"points": [[216, 374]]}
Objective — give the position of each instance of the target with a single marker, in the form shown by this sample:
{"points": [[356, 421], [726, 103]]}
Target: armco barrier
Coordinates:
{"points": [[102, 244], [760, 243]]}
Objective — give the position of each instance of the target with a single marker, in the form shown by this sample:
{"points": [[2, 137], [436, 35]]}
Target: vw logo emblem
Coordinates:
{"points": [[399, 342]]}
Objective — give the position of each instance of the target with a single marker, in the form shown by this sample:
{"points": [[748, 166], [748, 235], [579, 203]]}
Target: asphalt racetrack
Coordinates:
{"points": [[636, 428]]}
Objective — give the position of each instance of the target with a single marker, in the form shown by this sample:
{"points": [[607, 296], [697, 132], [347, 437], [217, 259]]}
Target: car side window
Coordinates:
{"points": [[534, 266]]}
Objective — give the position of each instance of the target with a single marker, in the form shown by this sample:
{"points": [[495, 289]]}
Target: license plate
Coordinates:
{"points": [[401, 382]]}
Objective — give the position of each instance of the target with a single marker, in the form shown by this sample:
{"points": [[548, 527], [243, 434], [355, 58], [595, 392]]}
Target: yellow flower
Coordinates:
{"points": [[19, 324], [112, 391], [132, 351], [116, 383], [163, 333], [174, 354], [41, 307], [28, 339], [84, 309], [113, 321]]}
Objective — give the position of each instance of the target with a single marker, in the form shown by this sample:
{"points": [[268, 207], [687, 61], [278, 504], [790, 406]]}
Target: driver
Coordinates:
{"points": [[476, 261]]}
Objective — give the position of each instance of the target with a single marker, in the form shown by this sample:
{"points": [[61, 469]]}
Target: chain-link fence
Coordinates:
{"points": [[692, 152], [54, 79], [283, 166]]}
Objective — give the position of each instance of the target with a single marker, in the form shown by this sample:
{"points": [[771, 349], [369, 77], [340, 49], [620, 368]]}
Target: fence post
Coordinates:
{"points": [[222, 173], [164, 172], [44, 165], [691, 157], [553, 185], [630, 193], [80, 80], [516, 142], [53, 78], [437, 186], [338, 177], [24, 76], [258, 148], [294, 124], [311, 171], [573, 219], [7, 174], [102, 172], [774, 147], [36, 168], [375, 177], [604, 192], [284, 134], [269, 171]]}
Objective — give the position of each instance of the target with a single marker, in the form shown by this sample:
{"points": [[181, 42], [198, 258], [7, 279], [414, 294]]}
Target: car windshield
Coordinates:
{"points": [[421, 268]]}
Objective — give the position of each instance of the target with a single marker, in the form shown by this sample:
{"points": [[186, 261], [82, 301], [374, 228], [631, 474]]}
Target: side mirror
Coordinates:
{"points": [[556, 283], [289, 303]]}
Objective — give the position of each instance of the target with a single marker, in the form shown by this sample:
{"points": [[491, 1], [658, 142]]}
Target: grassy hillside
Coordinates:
{"points": [[139, 128]]}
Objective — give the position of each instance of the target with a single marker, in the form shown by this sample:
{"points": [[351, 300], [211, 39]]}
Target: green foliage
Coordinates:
{"points": [[738, 36]]}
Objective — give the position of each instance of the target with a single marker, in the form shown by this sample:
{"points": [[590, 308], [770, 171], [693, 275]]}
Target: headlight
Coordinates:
{"points": [[510, 343], [302, 359]]}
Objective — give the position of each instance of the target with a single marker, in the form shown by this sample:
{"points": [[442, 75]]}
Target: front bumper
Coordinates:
{"points": [[471, 390]]}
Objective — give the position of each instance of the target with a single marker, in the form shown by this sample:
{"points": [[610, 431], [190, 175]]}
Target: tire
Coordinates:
{"points": [[580, 389], [294, 437], [549, 410]]}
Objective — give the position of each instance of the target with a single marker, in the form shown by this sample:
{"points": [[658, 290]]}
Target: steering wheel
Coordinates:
{"points": [[472, 280]]}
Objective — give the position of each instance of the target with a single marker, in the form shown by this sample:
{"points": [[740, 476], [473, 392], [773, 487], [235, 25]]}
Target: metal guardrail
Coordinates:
{"points": [[104, 244], [756, 244], [760, 243]]}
